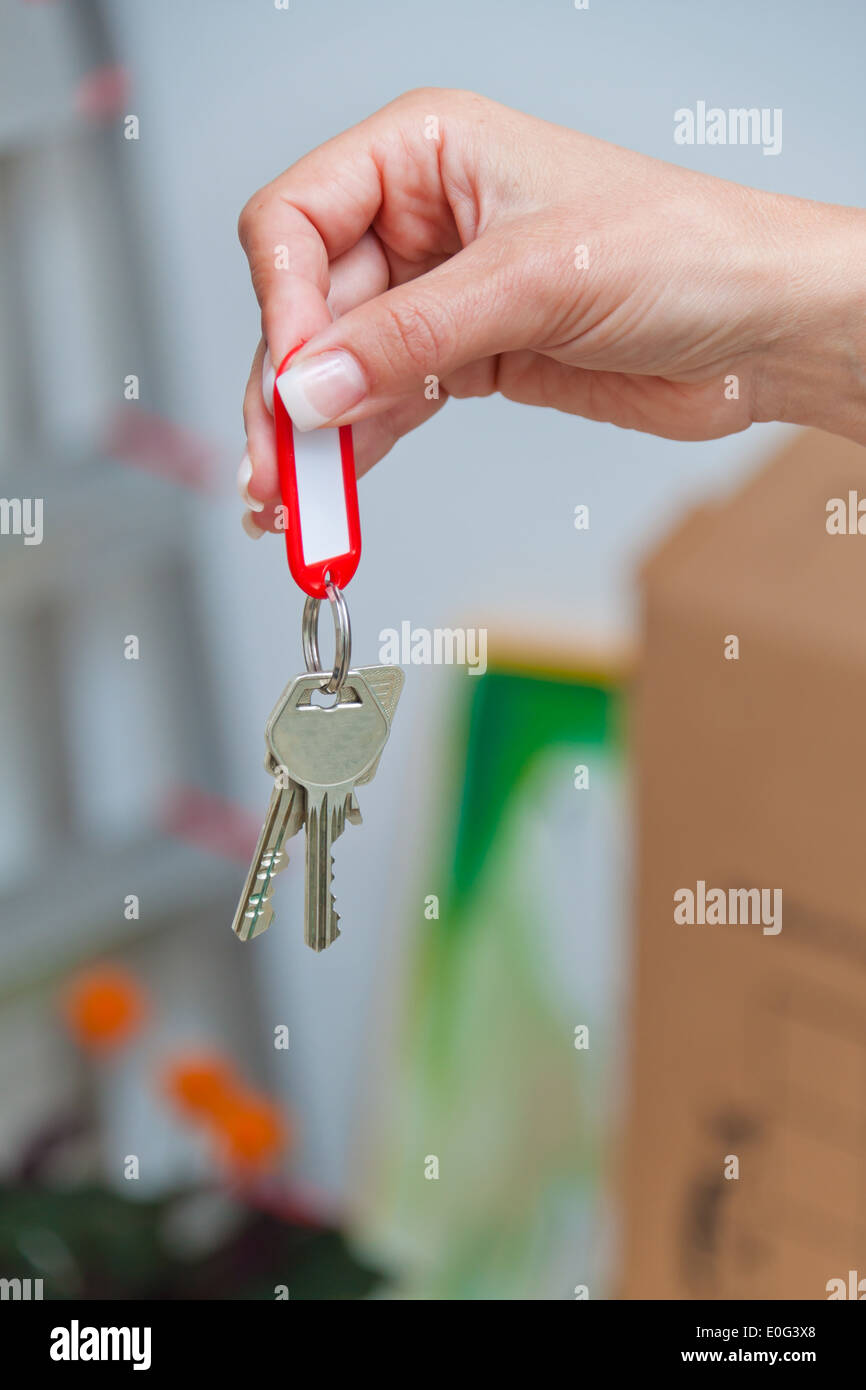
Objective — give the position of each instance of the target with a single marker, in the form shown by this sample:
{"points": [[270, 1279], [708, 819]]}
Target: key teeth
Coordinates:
{"points": [[334, 930], [334, 917]]}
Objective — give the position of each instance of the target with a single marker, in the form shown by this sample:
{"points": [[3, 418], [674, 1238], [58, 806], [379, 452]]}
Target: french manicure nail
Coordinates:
{"points": [[248, 522], [245, 473], [318, 390]]}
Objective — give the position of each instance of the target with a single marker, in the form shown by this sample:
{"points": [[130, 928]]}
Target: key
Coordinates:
{"points": [[386, 683], [325, 750], [284, 818], [328, 751]]}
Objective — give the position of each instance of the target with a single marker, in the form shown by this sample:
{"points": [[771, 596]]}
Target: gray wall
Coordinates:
{"points": [[457, 528]]}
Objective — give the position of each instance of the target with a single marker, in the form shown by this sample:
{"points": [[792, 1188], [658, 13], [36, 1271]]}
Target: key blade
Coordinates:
{"points": [[284, 817], [320, 914], [255, 920]]}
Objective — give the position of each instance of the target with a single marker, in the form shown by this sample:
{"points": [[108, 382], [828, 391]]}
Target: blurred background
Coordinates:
{"points": [[415, 1113]]}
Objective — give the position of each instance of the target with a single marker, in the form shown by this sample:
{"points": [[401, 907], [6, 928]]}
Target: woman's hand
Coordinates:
{"points": [[450, 244]]}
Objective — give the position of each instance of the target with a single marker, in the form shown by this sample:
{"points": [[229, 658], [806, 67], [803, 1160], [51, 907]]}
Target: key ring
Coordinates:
{"points": [[342, 637]]}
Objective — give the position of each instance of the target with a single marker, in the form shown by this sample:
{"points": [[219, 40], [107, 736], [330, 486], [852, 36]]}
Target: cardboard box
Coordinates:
{"points": [[749, 1038]]}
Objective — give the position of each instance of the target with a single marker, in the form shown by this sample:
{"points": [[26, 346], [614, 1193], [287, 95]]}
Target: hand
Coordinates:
{"points": [[507, 254]]}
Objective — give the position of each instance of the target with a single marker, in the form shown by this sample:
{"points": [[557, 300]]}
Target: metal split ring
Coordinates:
{"points": [[342, 638]]}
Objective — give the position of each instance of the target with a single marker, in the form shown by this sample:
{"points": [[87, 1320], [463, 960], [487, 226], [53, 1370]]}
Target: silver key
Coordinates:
{"points": [[328, 751], [284, 818], [386, 683]]}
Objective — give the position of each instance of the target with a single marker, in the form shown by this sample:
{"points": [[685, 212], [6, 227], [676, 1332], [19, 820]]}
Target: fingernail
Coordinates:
{"points": [[268, 375], [245, 473], [248, 522], [321, 388]]}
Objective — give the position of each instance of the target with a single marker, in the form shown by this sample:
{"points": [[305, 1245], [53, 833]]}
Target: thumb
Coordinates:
{"points": [[477, 303]]}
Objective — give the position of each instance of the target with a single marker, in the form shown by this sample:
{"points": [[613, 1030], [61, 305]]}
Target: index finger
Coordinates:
{"points": [[290, 230]]}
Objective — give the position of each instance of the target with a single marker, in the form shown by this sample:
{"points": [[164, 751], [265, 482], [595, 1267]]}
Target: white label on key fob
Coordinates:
{"points": [[321, 495]]}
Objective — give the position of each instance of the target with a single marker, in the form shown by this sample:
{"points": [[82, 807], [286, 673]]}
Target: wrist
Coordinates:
{"points": [[814, 371]]}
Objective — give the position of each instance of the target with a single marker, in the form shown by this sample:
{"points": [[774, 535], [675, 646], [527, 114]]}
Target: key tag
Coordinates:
{"points": [[326, 752], [320, 494]]}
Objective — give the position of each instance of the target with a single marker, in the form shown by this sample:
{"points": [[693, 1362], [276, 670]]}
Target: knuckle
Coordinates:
{"points": [[420, 333], [422, 95], [250, 215], [444, 100], [244, 220]]}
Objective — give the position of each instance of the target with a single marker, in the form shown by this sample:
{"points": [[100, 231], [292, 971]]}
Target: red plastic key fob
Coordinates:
{"points": [[320, 494]]}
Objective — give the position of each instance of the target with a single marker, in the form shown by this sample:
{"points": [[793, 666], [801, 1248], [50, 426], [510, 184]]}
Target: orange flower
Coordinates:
{"points": [[203, 1086], [103, 1007], [253, 1132]]}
